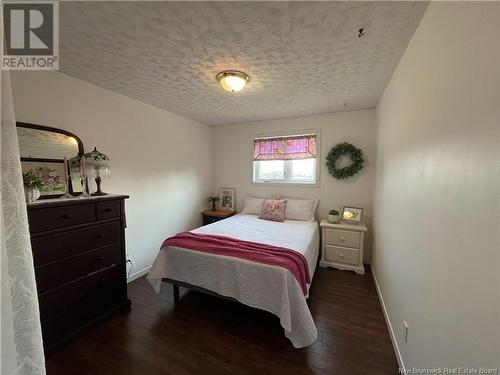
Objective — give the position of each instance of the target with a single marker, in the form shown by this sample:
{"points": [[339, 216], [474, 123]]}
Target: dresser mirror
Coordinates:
{"points": [[43, 150]]}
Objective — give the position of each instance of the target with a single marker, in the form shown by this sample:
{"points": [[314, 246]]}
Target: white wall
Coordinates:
{"points": [[233, 164], [436, 210], [162, 160]]}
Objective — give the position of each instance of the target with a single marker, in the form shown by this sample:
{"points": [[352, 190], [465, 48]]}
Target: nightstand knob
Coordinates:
{"points": [[342, 238], [341, 255]]}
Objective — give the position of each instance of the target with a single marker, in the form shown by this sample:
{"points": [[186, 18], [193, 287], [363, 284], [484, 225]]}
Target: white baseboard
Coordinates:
{"points": [[138, 274], [389, 325]]}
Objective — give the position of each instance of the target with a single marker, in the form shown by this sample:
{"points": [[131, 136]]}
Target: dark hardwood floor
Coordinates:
{"points": [[208, 335]]}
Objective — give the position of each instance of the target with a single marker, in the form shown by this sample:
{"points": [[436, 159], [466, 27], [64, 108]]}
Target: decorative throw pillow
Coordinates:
{"points": [[273, 209]]}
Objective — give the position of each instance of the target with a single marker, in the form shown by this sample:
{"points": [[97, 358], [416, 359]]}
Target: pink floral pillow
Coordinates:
{"points": [[273, 210]]}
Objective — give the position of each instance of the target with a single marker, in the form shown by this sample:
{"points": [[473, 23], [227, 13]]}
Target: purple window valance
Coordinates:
{"points": [[285, 148]]}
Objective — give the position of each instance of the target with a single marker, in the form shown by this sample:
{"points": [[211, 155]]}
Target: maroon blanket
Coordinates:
{"points": [[290, 259]]}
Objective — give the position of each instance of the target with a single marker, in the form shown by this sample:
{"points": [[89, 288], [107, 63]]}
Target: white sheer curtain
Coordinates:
{"points": [[21, 338]]}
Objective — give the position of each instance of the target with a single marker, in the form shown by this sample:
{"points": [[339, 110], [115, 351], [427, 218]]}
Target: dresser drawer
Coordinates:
{"points": [[44, 219], [65, 310], [62, 245], [55, 274], [342, 238], [341, 255], [108, 210], [110, 291]]}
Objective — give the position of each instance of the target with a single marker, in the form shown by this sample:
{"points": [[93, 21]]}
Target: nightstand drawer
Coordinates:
{"points": [[211, 219], [342, 238], [210, 216], [341, 255]]}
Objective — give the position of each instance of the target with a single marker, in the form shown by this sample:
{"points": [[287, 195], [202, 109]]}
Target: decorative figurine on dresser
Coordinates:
{"points": [[342, 242], [78, 240]]}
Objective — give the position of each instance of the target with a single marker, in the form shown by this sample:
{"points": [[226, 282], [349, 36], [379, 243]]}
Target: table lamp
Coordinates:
{"points": [[97, 165]]}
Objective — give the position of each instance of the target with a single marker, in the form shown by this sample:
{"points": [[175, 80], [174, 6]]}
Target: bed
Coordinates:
{"points": [[267, 287]]}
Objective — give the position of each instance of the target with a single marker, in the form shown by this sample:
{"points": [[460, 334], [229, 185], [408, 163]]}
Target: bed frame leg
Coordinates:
{"points": [[176, 292]]}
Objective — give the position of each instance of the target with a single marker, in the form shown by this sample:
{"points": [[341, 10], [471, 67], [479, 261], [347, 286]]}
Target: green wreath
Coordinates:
{"points": [[343, 149]]}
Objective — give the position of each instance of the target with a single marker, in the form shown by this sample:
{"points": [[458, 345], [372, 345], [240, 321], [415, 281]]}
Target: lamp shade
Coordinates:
{"points": [[97, 163]]}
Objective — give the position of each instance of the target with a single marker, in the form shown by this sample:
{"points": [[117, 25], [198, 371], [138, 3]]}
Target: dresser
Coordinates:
{"points": [[211, 216], [80, 263], [342, 246]]}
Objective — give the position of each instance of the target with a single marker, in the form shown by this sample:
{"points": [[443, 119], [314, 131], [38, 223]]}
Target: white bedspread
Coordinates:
{"points": [[266, 287]]}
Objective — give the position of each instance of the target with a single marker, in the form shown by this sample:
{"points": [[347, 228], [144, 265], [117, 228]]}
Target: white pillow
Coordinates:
{"points": [[252, 205], [300, 209]]}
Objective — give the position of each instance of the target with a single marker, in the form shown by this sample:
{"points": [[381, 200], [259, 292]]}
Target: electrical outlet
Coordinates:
{"points": [[405, 331]]}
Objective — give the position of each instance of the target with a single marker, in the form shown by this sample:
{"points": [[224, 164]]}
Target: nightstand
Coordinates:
{"points": [[342, 246], [210, 216]]}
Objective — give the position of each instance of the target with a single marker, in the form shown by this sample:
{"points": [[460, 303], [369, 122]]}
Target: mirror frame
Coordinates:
{"points": [[43, 160]]}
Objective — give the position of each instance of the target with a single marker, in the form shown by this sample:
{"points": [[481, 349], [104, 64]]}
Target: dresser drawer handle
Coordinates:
{"points": [[342, 238], [108, 209], [341, 255], [100, 236], [98, 260], [67, 216]]}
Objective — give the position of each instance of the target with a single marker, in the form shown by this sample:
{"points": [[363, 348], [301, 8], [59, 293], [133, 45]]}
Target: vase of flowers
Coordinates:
{"points": [[32, 186], [333, 216], [213, 201]]}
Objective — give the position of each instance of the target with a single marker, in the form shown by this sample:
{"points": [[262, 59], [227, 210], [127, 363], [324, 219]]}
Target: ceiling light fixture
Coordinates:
{"points": [[232, 80]]}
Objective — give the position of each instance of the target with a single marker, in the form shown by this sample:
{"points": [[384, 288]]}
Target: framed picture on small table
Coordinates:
{"points": [[352, 214], [227, 198]]}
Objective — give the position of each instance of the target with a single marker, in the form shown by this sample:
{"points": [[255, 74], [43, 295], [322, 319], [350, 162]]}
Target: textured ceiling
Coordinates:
{"points": [[303, 57]]}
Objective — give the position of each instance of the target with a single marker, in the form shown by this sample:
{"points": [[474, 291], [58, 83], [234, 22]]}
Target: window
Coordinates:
{"points": [[286, 159]]}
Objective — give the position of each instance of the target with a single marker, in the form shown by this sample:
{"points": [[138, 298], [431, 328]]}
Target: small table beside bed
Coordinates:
{"points": [[257, 278]]}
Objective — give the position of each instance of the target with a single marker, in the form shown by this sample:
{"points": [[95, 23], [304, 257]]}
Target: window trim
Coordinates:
{"points": [[289, 133]]}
